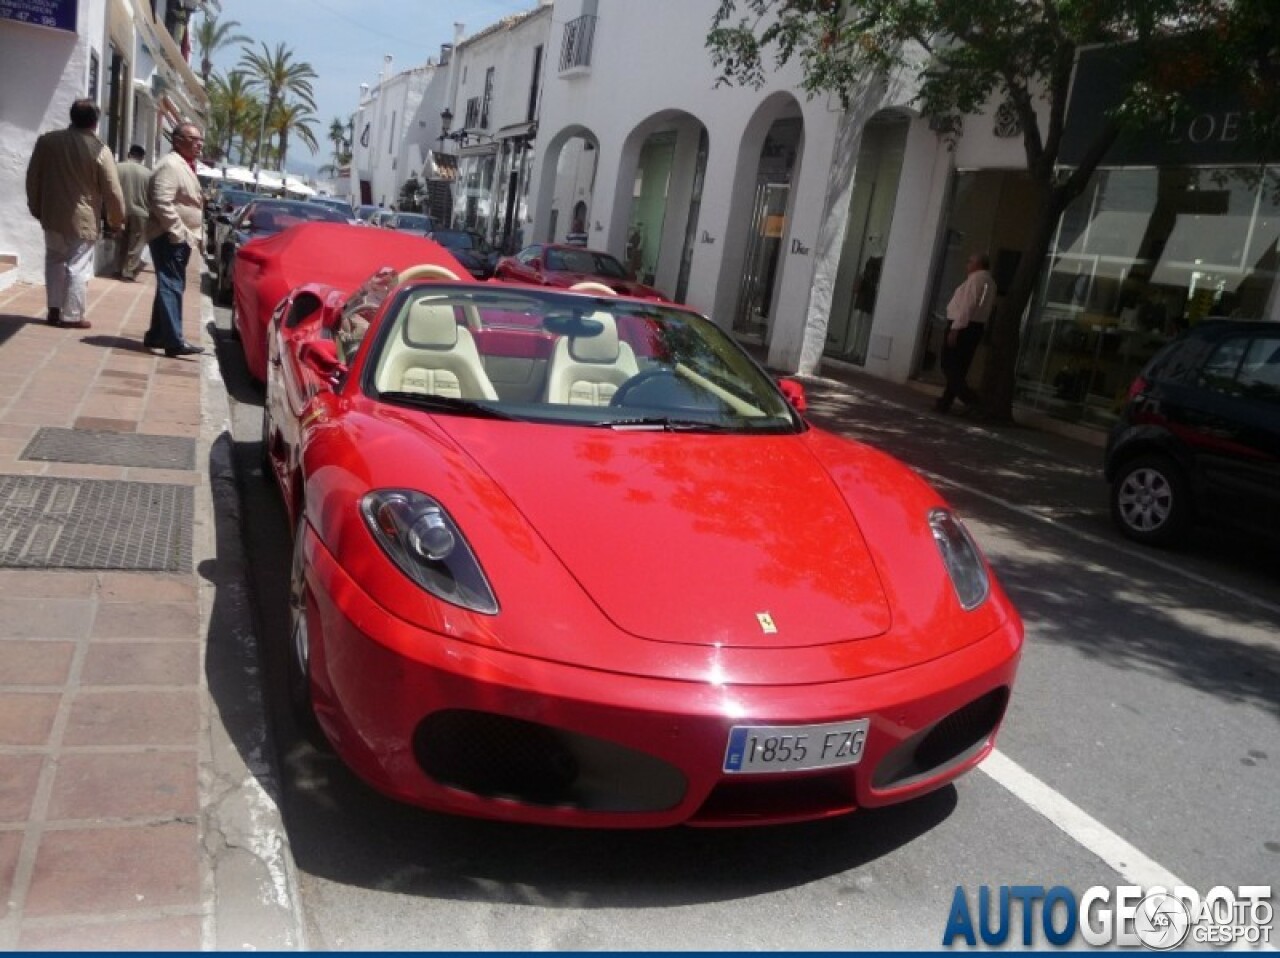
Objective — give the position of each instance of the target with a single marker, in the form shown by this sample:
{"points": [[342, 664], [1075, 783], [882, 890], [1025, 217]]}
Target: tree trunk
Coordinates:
{"points": [[999, 376]]}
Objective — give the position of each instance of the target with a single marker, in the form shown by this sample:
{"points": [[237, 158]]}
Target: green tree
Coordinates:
{"points": [[277, 74], [291, 119], [232, 104], [212, 36], [967, 52]]}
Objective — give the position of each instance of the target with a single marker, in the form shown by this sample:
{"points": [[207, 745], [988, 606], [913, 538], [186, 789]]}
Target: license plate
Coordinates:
{"points": [[760, 749]]}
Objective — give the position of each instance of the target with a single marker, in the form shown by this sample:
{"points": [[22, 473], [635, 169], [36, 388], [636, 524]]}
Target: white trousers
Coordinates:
{"points": [[68, 267]]}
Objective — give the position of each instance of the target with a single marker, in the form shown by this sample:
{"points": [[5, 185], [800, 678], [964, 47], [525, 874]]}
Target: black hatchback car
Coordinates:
{"points": [[1199, 437]]}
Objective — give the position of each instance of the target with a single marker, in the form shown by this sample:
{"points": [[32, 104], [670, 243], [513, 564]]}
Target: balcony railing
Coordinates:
{"points": [[579, 35]]}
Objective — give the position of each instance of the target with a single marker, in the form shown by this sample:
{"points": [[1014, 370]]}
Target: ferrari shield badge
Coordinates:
{"points": [[766, 623]]}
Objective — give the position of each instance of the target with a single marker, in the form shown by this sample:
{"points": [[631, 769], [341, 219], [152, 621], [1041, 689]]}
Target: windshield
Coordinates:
{"points": [[275, 216], [585, 261], [460, 239], [568, 358], [412, 221]]}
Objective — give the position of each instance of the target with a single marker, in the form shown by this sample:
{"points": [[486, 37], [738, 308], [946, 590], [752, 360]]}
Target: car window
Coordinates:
{"points": [[1219, 370], [528, 254], [1260, 369]]}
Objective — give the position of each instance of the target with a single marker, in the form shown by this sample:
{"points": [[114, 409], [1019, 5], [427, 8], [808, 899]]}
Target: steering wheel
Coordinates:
{"points": [[426, 271], [655, 381], [588, 286]]}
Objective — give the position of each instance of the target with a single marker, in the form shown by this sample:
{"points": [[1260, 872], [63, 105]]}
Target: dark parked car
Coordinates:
{"points": [[335, 203], [261, 217], [470, 249], [1199, 437], [224, 203], [410, 223]]}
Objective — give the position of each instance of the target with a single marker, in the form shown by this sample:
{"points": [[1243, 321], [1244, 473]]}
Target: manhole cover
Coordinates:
{"points": [[111, 449], [94, 524]]}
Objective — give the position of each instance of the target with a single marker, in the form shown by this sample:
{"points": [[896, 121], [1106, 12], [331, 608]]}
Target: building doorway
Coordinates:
{"points": [[768, 227]]}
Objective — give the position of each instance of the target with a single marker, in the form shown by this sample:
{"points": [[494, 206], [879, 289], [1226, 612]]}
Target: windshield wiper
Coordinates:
{"points": [[465, 407], [664, 424]]}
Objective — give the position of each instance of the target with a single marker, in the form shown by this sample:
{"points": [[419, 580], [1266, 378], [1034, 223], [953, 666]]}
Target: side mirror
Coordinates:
{"points": [[321, 357], [536, 263], [223, 217], [794, 393]]}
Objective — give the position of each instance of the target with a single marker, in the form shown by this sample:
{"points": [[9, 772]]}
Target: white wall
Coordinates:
{"points": [[42, 72]]}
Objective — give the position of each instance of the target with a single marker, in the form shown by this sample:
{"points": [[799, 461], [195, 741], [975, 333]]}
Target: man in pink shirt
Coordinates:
{"points": [[968, 312]]}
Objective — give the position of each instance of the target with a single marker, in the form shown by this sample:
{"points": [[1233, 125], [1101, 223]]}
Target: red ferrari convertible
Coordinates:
{"points": [[576, 559], [338, 254]]}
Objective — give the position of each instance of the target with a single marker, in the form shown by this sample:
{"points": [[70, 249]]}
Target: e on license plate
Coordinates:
{"points": [[756, 749]]}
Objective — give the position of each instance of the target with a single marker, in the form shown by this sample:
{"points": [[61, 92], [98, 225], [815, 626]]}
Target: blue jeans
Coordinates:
{"points": [[170, 262]]}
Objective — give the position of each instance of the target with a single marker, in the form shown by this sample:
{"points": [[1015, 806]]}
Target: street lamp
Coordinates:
{"points": [[461, 136]]}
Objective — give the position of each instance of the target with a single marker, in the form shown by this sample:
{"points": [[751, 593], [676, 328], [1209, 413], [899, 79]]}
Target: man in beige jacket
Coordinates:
{"points": [[175, 227], [71, 183], [134, 180]]}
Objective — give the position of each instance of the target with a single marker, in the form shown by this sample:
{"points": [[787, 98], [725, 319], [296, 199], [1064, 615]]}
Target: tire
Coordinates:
{"points": [[1151, 500], [298, 667]]}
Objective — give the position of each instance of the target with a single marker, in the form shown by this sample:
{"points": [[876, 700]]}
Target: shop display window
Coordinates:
{"points": [[1140, 256]]}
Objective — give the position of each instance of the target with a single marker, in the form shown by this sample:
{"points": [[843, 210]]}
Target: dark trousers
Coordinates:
{"points": [[170, 262], [956, 361]]}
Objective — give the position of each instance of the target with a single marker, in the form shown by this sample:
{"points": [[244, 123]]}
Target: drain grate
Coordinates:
{"points": [[104, 448], [94, 524]]}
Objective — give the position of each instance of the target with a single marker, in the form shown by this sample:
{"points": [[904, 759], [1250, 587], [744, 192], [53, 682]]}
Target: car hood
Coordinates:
{"points": [[725, 541], [627, 287]]}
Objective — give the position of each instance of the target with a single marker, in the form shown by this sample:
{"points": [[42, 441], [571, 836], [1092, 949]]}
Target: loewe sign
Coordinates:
{"points": [[1215, 130]]}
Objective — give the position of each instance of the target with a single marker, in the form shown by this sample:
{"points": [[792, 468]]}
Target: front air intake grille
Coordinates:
{"points": [[948, 742], [496, 756]]}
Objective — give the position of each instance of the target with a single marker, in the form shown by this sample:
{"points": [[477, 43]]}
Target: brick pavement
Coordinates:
{"points": [[103, 706]]}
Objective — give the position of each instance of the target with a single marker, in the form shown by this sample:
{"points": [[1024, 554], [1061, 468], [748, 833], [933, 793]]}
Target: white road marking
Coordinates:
{"points": [[1130, 863]]}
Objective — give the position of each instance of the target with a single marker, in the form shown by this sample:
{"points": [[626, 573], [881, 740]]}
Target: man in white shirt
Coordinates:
{"points": [[968, 312], [174, 228]]}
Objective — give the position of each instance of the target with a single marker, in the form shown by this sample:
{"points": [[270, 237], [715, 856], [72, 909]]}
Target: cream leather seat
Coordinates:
{"points": [[434, 355], [587, 370]]}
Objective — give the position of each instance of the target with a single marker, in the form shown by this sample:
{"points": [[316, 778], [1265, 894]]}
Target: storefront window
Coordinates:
{"points": [[1140, 256], [475, 211]]}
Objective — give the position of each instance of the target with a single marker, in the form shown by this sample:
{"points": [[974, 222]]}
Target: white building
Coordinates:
{"points": [[495, 95], [53, 52]]}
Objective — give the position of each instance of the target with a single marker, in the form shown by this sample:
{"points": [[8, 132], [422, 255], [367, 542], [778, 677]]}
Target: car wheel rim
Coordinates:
{"points": [[1145, 500]]}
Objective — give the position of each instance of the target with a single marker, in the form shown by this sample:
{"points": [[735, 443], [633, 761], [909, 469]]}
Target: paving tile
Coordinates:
{"points": [[146, 620], [106, 870], [124, 785], [26, 718], [45, 618], [146, 586], [47, 583], [133, 718], [171, 933], [10, 846], [19, 776], [25, 662], [96, 424], [141, 663]]}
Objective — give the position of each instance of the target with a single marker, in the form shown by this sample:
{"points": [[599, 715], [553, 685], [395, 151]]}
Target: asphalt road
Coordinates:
{"points": [[1141, 747]]}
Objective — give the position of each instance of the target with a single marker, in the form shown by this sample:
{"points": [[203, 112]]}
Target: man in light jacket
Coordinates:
{"points": [[71, 182], [134, 180], [175, 226]]}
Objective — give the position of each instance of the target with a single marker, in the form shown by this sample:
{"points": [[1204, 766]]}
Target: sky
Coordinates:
{"points": [[346, 40]]}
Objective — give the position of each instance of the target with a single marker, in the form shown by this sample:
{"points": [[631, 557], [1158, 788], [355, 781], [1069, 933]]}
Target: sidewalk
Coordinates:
{"points": [[128, 818]]}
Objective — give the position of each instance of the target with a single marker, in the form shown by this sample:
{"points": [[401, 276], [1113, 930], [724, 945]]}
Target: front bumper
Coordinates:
{"points": [[471, 730]]}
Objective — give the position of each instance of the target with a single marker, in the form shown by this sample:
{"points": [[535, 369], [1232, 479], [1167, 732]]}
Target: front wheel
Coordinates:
{"points": [[299, 652], [1151, 500]]}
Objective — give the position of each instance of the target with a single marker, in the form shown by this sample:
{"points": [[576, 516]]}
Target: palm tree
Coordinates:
{"points": [[212, 36], [338, 137], [291, 118], [278, 75], [232, 103]]}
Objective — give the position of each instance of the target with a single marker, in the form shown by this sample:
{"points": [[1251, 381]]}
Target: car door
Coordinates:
{"points": [[1235, 426], [522, 266]]}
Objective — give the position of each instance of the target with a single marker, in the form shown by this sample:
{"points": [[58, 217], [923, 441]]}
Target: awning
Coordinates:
{"points": [[512, 131]]}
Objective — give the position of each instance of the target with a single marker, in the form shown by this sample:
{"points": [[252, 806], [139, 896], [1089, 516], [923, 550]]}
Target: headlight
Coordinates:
{"points": [[420, 537], [961, 557]]}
